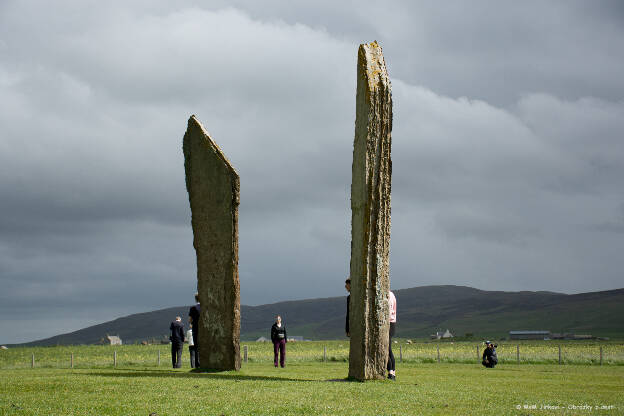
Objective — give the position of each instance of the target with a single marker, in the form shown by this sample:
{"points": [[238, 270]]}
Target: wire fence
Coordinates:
{"points": [[89, 356]]}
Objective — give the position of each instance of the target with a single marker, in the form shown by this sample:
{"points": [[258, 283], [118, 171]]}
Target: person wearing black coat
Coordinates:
{"points": [[279, 338], [489, 355], [177, 341]]}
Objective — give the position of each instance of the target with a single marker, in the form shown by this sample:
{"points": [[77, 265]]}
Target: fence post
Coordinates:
{"points": [[32, 361], [159, 358], [438, 353], [115, 358], [245, 353], [601, 355], [400, 353], [518, 353], [324, 353], [559, 354], [71, 360], [478, 353]]}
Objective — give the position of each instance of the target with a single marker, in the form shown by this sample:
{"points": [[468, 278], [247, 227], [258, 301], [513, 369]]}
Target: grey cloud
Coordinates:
{"points": [[490, 50], [610, 227], [502, 189]]}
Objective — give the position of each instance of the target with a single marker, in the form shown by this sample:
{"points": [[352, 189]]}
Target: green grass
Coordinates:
{"points": [[310, 388], [531, 352], [457, 385]]}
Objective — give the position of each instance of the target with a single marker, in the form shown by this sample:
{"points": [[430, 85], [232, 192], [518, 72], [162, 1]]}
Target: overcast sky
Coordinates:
{"points": [[508, 151]]}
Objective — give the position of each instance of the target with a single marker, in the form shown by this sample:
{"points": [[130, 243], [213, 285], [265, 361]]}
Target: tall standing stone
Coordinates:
{"points": [[370, 217], [214, 194]]}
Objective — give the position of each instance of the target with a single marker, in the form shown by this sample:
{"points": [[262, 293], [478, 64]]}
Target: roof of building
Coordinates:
{"points": [[529, 332]]}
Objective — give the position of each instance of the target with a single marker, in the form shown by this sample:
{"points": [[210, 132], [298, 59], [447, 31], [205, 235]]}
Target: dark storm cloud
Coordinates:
{"points": [[514, 185]]}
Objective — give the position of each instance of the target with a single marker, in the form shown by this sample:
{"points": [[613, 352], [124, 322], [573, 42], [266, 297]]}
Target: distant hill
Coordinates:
{"points": [[421, 311]]}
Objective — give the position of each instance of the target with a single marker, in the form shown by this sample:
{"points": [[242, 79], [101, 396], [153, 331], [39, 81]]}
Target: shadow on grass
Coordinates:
{"points": [[194, 374], [344, 380]]}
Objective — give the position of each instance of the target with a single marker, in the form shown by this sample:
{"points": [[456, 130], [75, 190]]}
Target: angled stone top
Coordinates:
{"points": [[194, 124], [370, 56]]}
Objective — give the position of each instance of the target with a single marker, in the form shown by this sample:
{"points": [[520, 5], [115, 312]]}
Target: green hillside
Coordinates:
{"points": [[421, 311]]}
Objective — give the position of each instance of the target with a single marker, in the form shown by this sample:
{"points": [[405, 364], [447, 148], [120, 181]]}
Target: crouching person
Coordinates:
{"points": [[489, 355]]}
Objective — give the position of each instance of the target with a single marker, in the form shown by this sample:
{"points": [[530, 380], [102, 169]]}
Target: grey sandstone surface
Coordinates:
{"points": [[213, 186], [370, 217]]}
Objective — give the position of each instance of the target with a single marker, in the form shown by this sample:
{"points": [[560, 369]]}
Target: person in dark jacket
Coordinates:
{"points": [[489, 355], [279, 338], [348, 287], [194, 313], [177, 341]]}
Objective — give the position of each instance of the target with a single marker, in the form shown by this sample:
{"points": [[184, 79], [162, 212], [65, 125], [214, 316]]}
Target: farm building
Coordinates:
{"points": [[439, 335], [262, 339], [295, 338], [113, 340], [529, 335], [572, 336]]}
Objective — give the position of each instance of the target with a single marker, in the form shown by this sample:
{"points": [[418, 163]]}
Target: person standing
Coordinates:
{"points": [[191, 344], [392, 309], [194, 314], [177, 341], [279, 338], [348, 287]]}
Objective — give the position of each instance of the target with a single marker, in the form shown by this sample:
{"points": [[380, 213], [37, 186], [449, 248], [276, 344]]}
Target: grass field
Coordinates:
{"points": [[312, 389], [531, 352], [137, 386]]}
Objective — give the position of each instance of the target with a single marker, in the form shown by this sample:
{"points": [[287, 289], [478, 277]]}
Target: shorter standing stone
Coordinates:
{"points": [[213, 186]]}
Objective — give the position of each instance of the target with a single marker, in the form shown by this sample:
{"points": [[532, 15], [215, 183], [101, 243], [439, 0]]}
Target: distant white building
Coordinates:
{"points": [[262, 339], [113, 339], [446, 334]]}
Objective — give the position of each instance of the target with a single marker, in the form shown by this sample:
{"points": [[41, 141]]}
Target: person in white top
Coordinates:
{"points": [[192, 349], [392, 309]]}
